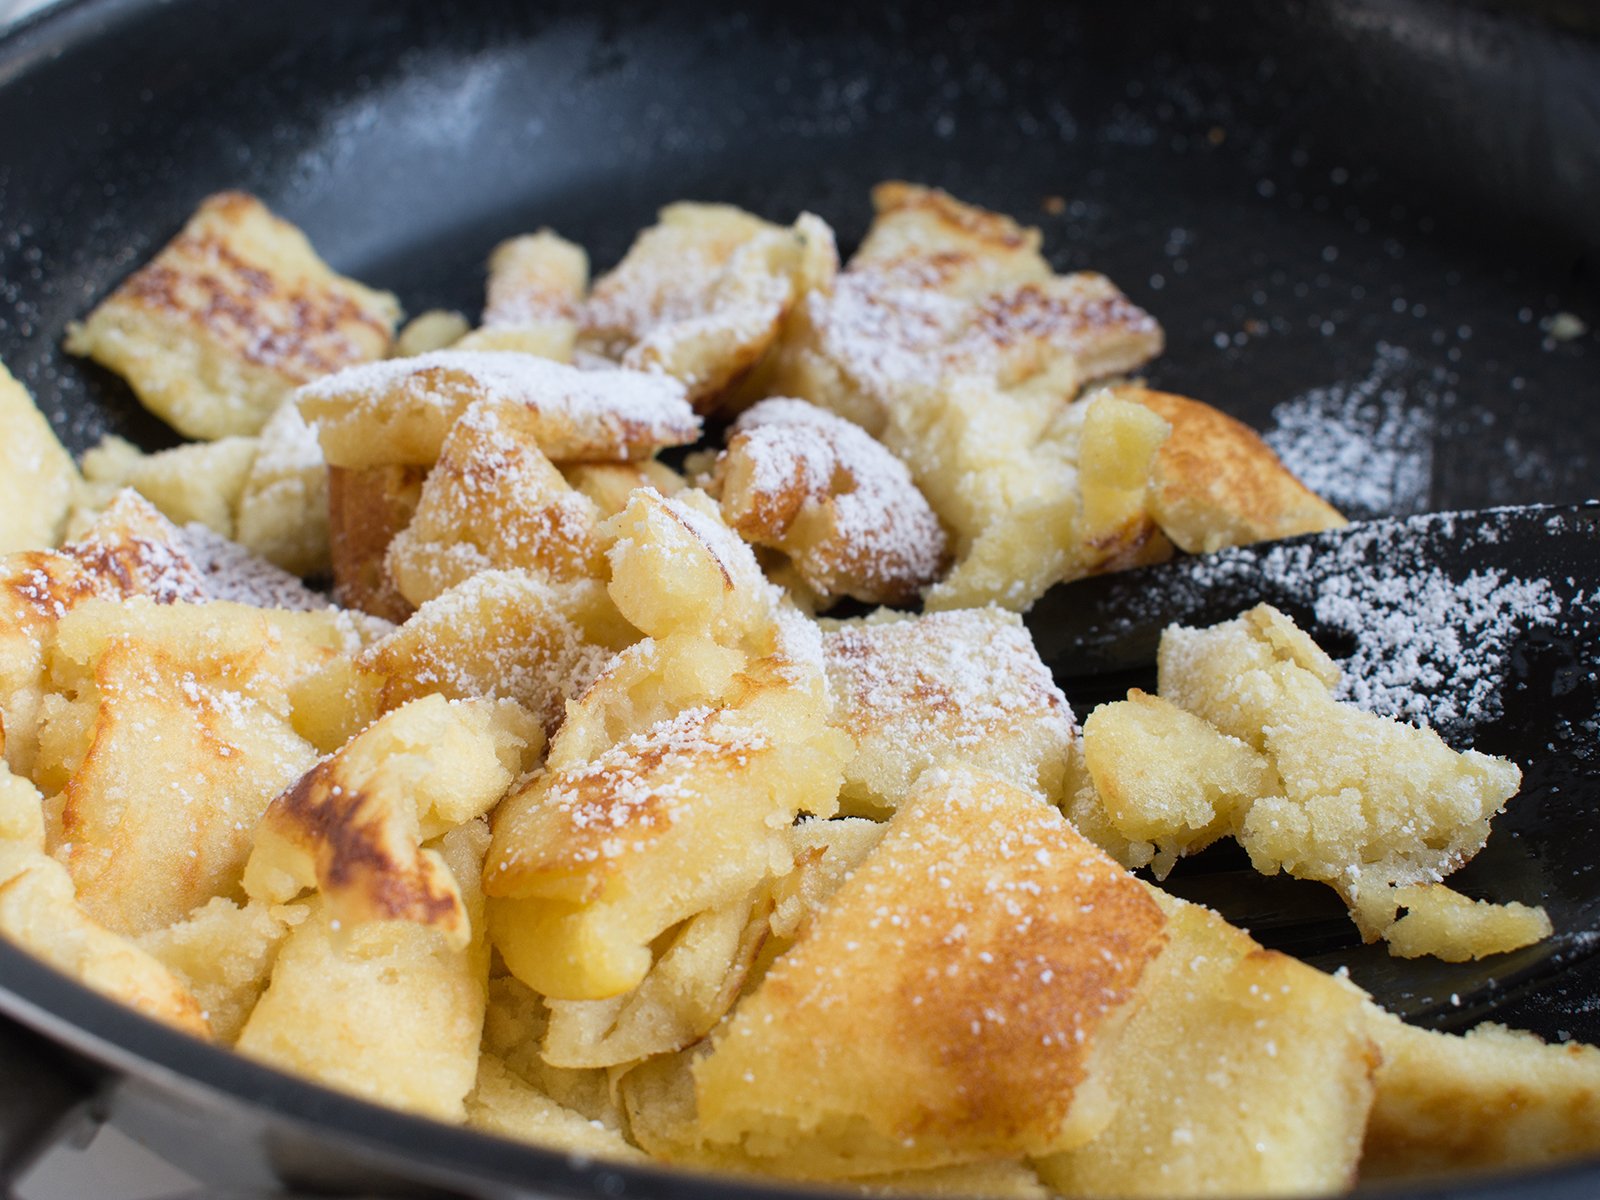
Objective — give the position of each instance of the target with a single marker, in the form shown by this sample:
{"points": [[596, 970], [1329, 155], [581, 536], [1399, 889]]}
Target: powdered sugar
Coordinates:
{"points": [[641, 783], [1365, 447], [800, 646], [1430, 647], [593, 414], [288, 445], [972, 673], [232, 572], [789, 461], [895, 325], [884, 337]]}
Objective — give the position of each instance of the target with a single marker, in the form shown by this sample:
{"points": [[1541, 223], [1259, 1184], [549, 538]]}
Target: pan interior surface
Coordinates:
{"points": [[1361, 225], [1221, 166]]}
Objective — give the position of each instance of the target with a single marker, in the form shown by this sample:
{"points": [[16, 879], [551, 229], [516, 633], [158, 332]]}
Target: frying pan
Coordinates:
{"points": [[1343, 211]]}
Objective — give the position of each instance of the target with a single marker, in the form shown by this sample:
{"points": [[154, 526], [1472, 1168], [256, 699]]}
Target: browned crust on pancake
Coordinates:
{"points": [[951, 994], [347, 829], [367, 507], [966, 220], [1216, 483], [300, 332]]}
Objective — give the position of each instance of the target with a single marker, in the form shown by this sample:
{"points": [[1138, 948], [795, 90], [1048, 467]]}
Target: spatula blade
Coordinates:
{"points": [[1481, 624]]}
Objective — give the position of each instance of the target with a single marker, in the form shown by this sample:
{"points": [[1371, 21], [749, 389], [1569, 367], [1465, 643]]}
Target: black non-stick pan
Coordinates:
{"points": [[1371, 227]]}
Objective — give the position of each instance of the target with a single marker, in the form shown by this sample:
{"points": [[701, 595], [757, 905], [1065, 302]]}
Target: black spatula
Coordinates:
{"points": [[1484, 625]]}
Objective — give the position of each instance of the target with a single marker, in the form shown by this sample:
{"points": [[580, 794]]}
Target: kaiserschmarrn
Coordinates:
{"points": [[565, 815]]}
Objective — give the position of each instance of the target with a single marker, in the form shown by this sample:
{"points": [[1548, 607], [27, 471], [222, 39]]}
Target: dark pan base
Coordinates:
{"points": [[1362, 208]]}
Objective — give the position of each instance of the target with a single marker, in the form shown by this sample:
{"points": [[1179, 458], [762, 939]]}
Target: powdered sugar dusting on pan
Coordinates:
{"points": [[1429, 647], [1431, 650], [1366, 447]]}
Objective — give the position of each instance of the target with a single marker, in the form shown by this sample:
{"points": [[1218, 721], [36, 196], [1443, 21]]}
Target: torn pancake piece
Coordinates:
{"points": [[37, 476], [398, 413], [390, 1010], [671, 786], [842, 508], [505, 1104], [1367, 803], [435, 329], [283, 508], [1490, 1099], [941, 290], [129, 549], [696, 976], [1241, 1073], [611, 485], [223, 953], [950, 339], [704, 966], [495, 502], [1215, 483], [1320, 789], [968, 686], [367, 507], [703, 294], [949, 1004], [40, 912], [1436, 920], [601, 856], [1163, 780], [354, 825], [195, 482], [536, 285], [149, 837], [1034, 492], [231, 316], [501, 635], [514, 1029]]}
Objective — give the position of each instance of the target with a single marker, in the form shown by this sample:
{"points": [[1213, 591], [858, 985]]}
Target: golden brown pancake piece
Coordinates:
{"points": [[367, 507], [946, 1005], [1216, 483]]}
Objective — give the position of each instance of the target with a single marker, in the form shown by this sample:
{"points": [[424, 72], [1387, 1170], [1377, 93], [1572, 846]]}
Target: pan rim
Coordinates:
{"points": [[142, 1049], [126, 1041]]}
